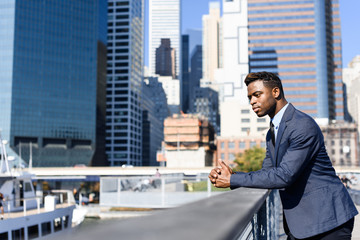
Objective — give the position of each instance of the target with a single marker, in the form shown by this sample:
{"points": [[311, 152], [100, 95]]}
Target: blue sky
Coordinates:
{"points": [[350, 29], [192, 11]]}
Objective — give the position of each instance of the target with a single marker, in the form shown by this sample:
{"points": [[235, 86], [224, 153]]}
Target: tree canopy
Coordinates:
{"points": [[250, 160]]}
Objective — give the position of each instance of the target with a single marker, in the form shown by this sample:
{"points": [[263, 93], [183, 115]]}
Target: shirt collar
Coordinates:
{"points": [[277, 118]]}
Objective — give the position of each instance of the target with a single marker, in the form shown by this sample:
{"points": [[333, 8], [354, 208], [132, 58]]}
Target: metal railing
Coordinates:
{"points": [[61, 197], [152, 192], [8, 208], [239, 214]]}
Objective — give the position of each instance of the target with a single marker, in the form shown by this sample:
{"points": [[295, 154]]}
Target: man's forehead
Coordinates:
{"points": [[255, 86]]}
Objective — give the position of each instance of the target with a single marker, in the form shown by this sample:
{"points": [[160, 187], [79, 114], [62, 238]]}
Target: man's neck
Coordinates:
{"points": [[279, 105]]}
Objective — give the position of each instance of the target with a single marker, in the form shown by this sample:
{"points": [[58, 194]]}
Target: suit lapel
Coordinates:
{"points": [[278, 139], [286, 117]]}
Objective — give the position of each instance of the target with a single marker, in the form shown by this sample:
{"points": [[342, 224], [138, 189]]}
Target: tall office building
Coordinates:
{"points": [[195, 38], [154, 107], [206, 103], [195, 73], [124, 80], [301, 41], [211, 45], [172, 90], [165, 59], [164, 22], [53, 76], [184, 88]]}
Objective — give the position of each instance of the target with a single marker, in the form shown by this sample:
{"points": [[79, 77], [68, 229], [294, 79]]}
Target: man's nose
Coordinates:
{"points": [[252, 101]]}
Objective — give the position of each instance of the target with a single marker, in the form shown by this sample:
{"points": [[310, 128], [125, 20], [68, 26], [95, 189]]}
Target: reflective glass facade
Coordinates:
{"points": [[50, 56], [301, 41], [124, 78]]}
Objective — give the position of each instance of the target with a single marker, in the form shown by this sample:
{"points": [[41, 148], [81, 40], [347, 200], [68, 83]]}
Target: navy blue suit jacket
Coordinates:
{"points": [[313, 197]]}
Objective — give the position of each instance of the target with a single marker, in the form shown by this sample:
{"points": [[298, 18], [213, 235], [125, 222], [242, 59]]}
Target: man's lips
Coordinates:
{"points": [[256, 109]]}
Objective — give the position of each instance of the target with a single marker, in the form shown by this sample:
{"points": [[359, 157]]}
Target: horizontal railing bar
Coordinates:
{"points": [[223, 216]]}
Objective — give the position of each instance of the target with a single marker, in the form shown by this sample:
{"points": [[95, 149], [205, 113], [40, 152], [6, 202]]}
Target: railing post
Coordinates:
{"points": [[24, 207], [118, 191], [162, 191], [9, 210], [38, 204]]}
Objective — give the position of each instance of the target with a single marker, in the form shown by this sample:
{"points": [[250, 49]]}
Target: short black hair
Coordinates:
{"points": [[270, 80]]}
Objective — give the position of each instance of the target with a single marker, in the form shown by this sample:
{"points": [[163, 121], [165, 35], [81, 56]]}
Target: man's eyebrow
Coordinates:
{"points": [[254, 93]]}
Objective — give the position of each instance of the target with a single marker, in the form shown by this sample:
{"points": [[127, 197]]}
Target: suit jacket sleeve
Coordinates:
{"points": [[267, 160], [303, 143]]}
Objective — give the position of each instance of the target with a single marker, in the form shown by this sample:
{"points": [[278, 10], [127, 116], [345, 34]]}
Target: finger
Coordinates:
{"points": [[223, 164], [212, 179], [215, 172]]}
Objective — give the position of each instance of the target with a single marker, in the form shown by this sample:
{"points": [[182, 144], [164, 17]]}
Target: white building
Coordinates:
{"points": [[164, 22], [124, 80], [172, 90], [351, 78], [211, 49], [237, 117]]}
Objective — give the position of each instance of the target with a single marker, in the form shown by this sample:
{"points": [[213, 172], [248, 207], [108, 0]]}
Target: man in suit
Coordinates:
{"points": [[316, 204]]}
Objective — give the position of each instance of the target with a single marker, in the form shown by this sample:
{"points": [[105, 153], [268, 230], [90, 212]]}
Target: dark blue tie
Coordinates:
{"points": [[272, 133]]}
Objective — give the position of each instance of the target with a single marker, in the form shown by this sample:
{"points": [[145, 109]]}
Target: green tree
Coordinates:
{"points": [[250, 160]]}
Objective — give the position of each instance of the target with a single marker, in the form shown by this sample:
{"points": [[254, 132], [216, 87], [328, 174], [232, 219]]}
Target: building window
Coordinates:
{"points": [[342, 163], [260, 129], [261, 120], [223, 156], [245, 120], [231, 145], [252, 144], [231, 157], [263, 144], [222, 145], [241, 145], [245, 111], [245, 129]]}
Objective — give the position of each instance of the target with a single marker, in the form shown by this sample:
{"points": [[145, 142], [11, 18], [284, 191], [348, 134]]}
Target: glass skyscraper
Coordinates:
{"points": [[301, 41], [124, 80], [52, 71]]}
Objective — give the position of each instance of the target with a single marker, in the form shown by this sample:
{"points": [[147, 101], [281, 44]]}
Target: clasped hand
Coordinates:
{"points": [[220, 176]]}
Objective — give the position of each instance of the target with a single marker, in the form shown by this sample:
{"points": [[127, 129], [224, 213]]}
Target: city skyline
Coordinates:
{"points": [[192, 11]]}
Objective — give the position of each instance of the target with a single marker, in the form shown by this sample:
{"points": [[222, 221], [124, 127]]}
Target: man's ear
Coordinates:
{"points": [[276, 93]]}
